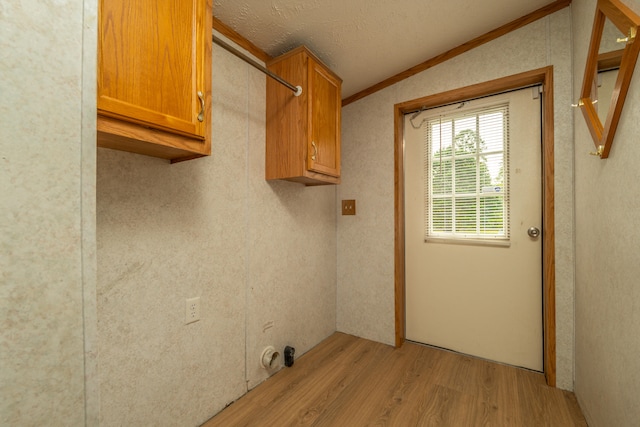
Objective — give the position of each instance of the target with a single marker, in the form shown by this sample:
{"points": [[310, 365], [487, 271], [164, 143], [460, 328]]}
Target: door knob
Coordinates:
{"points": [[533, 232]]}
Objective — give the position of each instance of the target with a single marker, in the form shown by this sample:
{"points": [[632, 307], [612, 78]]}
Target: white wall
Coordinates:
{"points": [[366, 241], [607, 381], [254, 251], [47, 230]]}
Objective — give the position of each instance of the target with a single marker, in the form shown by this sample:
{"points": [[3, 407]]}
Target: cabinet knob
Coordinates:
{"points": [[201, 114], [315, 151]]}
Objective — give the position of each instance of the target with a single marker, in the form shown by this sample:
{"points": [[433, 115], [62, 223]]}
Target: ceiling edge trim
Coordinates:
{"points": [[465, 47], [238, 39]]}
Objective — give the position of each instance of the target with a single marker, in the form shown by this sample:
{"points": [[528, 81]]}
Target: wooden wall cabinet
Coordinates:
{"points": [[154, 77], [303, 132]]}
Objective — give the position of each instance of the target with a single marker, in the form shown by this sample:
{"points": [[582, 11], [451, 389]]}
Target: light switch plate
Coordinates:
{"points": [[348, 207]]}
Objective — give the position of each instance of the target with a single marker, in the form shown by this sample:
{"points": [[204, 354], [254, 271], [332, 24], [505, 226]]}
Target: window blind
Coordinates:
{"points": [[466, 173]]}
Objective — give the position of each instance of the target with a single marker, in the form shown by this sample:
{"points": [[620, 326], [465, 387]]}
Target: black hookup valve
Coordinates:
{"points": [[288, 356]]}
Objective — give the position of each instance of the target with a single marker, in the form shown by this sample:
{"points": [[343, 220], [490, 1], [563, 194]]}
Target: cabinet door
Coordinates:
{"points": [[323, 151], [150, 63]]}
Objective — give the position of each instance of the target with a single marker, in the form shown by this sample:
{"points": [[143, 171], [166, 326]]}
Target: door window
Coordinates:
{"points": [[466, 173]]}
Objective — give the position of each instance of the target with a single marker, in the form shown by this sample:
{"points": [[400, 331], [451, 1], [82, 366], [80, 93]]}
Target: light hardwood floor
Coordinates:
{"points": [[349, 381]]}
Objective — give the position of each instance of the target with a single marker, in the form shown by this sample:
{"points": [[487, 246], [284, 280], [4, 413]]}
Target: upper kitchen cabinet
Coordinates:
{"points": [[303, 132], [154, 77]]}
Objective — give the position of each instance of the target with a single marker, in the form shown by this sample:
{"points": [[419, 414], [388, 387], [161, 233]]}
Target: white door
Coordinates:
{"points": [[479, 297]]}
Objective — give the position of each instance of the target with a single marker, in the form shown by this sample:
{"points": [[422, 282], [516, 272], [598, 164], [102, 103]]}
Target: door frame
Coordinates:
{"points": [[544, 77]]}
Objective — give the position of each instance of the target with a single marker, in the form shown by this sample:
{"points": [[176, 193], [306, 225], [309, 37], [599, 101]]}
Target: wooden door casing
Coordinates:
{"points": [[542, 76]]}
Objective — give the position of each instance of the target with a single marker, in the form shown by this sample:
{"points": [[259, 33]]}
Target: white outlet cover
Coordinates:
{"points": [[192, 310]]}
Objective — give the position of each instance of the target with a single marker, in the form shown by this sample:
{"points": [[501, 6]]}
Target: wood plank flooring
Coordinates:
{"points": [[349, 381]]}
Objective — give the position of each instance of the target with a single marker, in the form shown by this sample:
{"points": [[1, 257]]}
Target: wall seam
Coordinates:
{"points": [[573, 197], [88, 256], [337, 206], [247, 219]]}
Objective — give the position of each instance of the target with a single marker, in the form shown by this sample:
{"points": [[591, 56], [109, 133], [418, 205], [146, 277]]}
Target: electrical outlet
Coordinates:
{"points": [[192, 313]]}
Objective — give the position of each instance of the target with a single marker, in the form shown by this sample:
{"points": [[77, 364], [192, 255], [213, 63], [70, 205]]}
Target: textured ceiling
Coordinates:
{"points": [[367, 41]]}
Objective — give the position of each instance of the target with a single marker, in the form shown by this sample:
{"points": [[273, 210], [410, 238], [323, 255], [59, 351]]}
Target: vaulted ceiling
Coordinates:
{"points": [[368, 41]]}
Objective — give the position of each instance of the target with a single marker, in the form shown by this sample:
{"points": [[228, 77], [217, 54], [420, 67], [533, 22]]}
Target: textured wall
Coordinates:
{"points": [[366, 241], [607, 375], [260, 255], [47, 240]]}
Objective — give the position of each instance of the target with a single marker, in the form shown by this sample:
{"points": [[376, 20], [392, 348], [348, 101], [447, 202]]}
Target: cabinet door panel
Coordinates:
{"points": [[323, 153], [148, 62]]}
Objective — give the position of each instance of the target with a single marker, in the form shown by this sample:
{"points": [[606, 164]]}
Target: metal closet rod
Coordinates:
{"points": [[297, 90]]}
